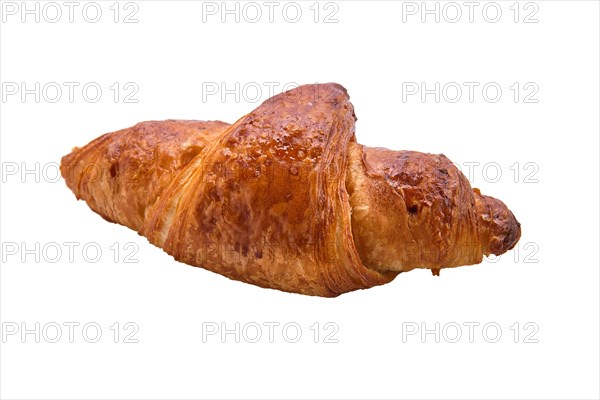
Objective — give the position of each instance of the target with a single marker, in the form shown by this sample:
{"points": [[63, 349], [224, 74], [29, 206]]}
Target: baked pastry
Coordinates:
{"points": [[285, 198]]}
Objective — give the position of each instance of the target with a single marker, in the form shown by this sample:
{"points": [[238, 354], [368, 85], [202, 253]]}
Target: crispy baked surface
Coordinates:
{"points": [[286, 199]]}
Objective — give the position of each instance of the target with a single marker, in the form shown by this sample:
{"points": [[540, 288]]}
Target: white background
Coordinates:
{"points": [[171, 54]]}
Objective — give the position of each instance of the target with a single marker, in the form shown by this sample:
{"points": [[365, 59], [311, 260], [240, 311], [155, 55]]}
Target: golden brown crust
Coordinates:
{"points": [[121, 174], [413, 210], [417, 210], [267, 204], [285, 198], [499, 229]]}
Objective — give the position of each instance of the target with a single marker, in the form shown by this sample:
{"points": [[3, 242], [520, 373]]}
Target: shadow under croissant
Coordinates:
{"points": [[285, 198]]}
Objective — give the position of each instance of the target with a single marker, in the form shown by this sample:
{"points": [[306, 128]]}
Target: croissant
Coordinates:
{"points": [[285, 198]]}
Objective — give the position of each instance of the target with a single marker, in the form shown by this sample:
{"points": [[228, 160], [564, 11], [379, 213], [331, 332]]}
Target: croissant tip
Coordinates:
{"points": [[500, 225]]}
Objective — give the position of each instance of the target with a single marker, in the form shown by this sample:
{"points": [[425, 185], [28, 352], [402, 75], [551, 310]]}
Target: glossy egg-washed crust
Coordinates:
{"points": [[286, 199]]}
